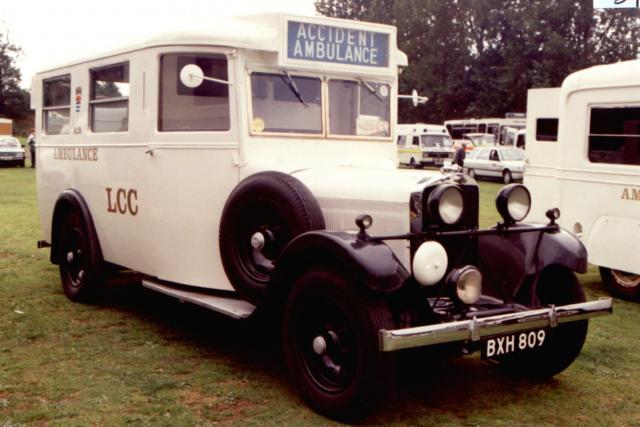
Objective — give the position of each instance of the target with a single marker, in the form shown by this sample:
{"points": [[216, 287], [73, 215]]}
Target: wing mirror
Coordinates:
{"points": [[415, 98], [192, 76]]}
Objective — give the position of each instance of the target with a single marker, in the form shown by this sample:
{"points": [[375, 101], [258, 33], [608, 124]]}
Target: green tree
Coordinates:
{"points": [[14, 101]]}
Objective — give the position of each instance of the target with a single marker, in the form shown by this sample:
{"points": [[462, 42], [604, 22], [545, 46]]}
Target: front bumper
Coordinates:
{"points": [[480, 328]]}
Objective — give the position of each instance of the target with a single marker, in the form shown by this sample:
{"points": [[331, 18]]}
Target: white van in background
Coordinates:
{"points": [[422, 144], [583, 148]]}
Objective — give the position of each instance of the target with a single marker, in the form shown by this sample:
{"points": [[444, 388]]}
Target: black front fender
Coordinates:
{"points": [[372, 264], [510, 258]]}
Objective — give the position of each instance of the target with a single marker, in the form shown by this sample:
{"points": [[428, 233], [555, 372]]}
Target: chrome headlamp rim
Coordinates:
{"points": [[457, 279], [513, 203], [446, 196]]}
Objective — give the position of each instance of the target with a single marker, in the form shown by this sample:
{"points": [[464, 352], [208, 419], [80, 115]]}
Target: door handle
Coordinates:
{"points": [[149, 151]]}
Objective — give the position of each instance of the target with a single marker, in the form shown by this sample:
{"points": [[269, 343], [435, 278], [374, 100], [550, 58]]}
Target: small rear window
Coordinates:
{"points": [[547, 130]]}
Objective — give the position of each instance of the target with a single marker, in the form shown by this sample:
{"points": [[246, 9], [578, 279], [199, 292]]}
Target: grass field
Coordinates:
{"points": [[140, 358]]}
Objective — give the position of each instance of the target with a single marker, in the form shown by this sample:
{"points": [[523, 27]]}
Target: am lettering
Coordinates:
{"points": [[630, 194], [122, 201]]}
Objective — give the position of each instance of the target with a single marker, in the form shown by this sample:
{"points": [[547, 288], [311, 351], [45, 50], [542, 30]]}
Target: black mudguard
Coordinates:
{"points": [[372, 264], [511, 258], [71, 200]]}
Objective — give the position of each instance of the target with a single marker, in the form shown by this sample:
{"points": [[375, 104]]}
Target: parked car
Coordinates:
{"points": [[495, 162], [11, 152]]}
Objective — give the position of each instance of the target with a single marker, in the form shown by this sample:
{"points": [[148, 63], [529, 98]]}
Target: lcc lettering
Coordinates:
{"points": [[123, 201]]}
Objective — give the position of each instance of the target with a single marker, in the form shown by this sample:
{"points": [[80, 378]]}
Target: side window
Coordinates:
{"points": [[494, 156], [416, 141], [482, 128], [57, 104], [204, 108], [109, 103], [483, 155], [546, 129], [614, 135], [402, 139]]}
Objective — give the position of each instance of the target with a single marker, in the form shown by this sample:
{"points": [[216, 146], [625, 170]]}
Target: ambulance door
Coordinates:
{"points": [[192, 166]]}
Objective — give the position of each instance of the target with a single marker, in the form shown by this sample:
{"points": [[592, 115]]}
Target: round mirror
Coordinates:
{"points": [[191, 75], [414, 98]]}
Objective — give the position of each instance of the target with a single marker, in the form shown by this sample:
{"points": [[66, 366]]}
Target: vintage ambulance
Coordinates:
{"points": [[251, 166], [583, 150]]}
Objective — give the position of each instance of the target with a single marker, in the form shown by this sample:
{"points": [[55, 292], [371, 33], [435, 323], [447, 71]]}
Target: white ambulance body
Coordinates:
{"points": [[144, 149], [588, 165]]}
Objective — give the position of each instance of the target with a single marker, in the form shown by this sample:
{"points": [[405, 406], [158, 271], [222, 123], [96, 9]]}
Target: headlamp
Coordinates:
{"points": [[446, 204], [513, 203]]}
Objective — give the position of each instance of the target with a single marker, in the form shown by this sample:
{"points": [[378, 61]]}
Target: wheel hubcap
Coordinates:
{"points": [[628, 280]]}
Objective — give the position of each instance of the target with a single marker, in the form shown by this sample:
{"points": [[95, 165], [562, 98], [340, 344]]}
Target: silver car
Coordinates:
{"points": [[11, 152], [505, 163]]}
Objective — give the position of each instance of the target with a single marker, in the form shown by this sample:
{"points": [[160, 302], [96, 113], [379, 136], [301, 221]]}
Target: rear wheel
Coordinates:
{"points": [[81, 279], [558, 286], [620, 283], [331, 344], [412, 163]]}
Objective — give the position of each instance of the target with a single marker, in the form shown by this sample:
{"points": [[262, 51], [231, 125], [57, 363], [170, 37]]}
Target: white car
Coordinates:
{"points": [[11, 152], [506, 163]]}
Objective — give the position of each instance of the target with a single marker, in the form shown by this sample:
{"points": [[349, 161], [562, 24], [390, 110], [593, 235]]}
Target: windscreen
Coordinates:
{"points": [[440, 141], [286, 103]]}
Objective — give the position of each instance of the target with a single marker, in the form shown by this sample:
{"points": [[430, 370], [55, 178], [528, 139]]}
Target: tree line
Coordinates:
{"points": [[14, 101], [477, 58]]}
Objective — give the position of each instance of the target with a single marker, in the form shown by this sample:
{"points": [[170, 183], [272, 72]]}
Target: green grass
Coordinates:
{"points": [[141, 358]]}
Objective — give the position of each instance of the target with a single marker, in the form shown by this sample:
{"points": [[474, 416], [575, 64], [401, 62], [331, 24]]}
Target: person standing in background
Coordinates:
{"points": [[458, 157], [32, 148]]}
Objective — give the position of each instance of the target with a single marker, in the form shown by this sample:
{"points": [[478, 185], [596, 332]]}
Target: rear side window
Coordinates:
{"points": [[614, 135], [204, 108], [109, 105], [57, 104], [546, 129]]}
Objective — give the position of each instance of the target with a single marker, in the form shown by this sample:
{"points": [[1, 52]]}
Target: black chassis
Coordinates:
{"points": [[509, 256]]}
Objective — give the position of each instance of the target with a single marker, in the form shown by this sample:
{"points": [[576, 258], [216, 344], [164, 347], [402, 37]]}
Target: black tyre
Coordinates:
{"points": [[81, 270], [557, 285], [620, 283], [507, 178], [262, 215], [331, 345], [22, 164], [412, 163]]}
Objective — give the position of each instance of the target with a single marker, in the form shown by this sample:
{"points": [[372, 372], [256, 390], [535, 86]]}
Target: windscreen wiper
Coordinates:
{"points": [[294, 88], [371, 89]]}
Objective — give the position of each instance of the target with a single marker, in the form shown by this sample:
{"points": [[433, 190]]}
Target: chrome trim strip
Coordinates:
{"points": [[479, 328]]}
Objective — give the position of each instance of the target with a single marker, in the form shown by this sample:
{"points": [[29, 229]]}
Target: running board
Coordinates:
{"points": [[232, 307]]}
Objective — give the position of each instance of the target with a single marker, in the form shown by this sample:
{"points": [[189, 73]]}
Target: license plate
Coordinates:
{"points": [[513, 343]]}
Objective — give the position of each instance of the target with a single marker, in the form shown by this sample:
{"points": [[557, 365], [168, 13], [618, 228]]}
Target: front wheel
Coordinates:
{"points": [[557, 285], [331, 344], [620, 283]]}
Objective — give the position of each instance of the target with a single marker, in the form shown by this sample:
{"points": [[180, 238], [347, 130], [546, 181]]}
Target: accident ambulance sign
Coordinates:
{"points": [[339, 45]]}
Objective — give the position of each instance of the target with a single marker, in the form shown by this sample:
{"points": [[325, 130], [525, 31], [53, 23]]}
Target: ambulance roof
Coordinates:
{"points": [[620, 74], [258, 32]]}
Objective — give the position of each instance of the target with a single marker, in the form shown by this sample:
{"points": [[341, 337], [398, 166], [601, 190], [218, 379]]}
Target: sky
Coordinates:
{"points": [[53, 32]]}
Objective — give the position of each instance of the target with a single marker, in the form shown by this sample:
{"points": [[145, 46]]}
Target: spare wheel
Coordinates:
{"points": [[262, 215]]}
